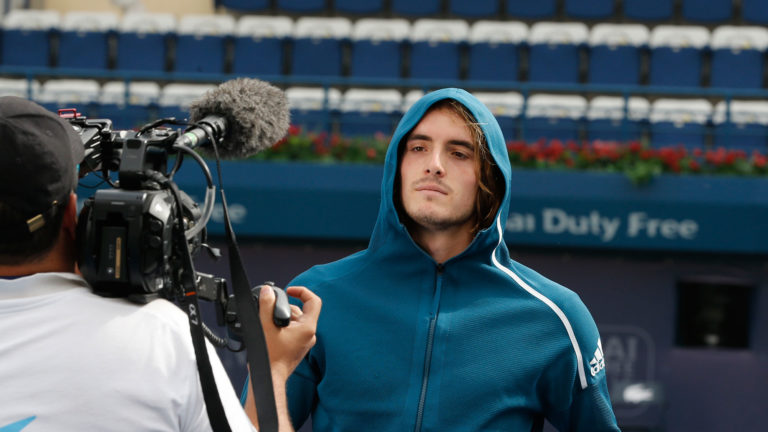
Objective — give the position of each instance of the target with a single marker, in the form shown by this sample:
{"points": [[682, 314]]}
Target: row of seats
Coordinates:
{"points": [[502, 51], [705, 11], [742, 124]]}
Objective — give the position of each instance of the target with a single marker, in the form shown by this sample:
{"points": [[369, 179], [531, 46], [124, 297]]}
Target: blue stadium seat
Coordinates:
{"points": [[493, 50], [677, 55], [711, 11], [81, 94], [175, 99], [421, 8], [201, 43], [142, 41], [84, 39], [615, 53], [128, 108], [302, 6], [554, 51], [377, 47], [366, 112], [745, 127], [506, 107], [474, 8], [30, 29], [313, 109], [649, 10], [550, 117], [676, 122], [589, 9], [258, 46], [19, 87], [737, 56], [613, 118], [368, 7], [317, 45], [435, 48], [245, 5], [754, 11], [539, 9]]}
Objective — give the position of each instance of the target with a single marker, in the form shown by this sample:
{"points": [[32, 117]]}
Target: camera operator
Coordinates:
{"points": [[72, 360]]}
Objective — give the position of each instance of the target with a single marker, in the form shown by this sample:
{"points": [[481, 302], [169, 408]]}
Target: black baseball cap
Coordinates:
{"points": [[39, 155]]}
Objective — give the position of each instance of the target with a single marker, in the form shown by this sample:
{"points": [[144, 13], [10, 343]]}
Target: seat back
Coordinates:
{"points": [[82, 94], [421, 8], [540, 9], [377, 47], [649, 10], [589, 9], [710, 11], [435, 48], [317, 45], [366, 112], [683, 122], [474, 8], [615, 53], [506, 108], [615, 118], [554, 51], [31, 29], [258, 46], [549, 116], [742, 124], [129, 106], [84, 39], [313, 109], [142, 41], [494, 50], [201, 42], [737, 56], [175, 99], [676, 55]]}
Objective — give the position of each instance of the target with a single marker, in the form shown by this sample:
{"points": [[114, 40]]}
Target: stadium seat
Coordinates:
{"points": [[313, 109], [737, 56], [493, 50], [246, 5], [82, 94], [649, 10], [175, 99], [31, 29], [435, 48], [20, 87], [589, 9], [200, 44], [317, 45], [421, 8], [410, 98], [84, 39], [258, 47], [549, 116], [676, 55], [366, 112], [676, 122], [301, 6], [554, 51], [142, 41], [474, 8], [745, 127], [615, 53], [367, 7], [540, 9], [131, 107], [506, 107], [710, 11], [754, 11], [377, 47], [613, 118]]}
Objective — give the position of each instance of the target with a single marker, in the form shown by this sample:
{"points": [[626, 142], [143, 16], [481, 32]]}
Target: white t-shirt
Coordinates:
{"points": [[73, 361]]}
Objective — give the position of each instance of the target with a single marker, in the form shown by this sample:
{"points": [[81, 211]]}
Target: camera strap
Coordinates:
{"points": [[253, 334]]}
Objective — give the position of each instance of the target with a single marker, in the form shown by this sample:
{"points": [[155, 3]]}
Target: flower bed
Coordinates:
{"points": [[638, 161]]}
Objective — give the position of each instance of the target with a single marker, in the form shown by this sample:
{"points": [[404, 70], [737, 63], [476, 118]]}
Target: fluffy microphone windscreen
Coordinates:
{"points": [[256, 112]]}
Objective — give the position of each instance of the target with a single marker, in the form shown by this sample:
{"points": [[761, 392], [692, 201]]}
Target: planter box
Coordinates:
{"points": [[549, 208]]}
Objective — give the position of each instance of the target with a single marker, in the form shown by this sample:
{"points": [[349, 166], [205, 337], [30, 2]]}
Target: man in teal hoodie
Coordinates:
{"points": [[433, 327]]}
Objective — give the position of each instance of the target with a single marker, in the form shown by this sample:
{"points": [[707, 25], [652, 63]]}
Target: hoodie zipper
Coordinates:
{"points": [[430, 342]]}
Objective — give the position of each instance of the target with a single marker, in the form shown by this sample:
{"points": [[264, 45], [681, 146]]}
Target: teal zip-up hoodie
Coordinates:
{"points": [[478, 343]]}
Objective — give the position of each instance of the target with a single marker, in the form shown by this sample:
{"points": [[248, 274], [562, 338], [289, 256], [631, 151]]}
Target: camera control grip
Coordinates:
{"points": [[282, 313]]}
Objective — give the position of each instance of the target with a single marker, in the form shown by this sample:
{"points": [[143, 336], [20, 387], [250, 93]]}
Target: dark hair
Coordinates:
{"points": [[14, 251], [490, 180]]}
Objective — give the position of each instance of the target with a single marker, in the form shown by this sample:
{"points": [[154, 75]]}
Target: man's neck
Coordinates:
{"points": [[57, 259], [444, 244]]}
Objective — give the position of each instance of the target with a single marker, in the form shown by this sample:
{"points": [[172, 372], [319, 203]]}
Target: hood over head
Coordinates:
{"points": [[388, 222]]}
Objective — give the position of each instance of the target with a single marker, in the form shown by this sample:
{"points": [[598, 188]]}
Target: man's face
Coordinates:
{"points": [[437, 173]]}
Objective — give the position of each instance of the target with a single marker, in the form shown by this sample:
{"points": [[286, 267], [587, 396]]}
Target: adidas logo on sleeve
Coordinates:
{"points": [[598, 361]]}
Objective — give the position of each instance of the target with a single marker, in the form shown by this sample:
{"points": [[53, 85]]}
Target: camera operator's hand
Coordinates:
{"points": [[287, 346]]}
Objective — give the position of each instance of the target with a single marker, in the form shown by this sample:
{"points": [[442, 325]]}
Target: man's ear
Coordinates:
{"points": [[69, 220]]}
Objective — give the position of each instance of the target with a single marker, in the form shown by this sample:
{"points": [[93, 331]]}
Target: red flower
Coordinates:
{"points": [[370, 153], [294, 130]]}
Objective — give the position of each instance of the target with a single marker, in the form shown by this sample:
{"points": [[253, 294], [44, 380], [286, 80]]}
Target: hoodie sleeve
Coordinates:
{"points": [[302, 394]]}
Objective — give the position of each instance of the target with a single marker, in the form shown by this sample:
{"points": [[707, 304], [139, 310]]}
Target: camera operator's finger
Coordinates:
{"points": [[296, 312], [312, 303], [266, 304]]}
